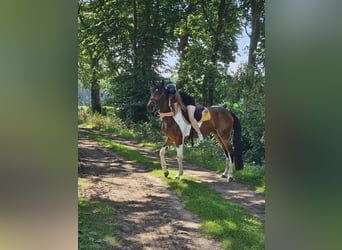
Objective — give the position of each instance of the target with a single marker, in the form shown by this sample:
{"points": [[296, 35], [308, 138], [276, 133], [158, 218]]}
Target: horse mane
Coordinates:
{"points": [[180, 101]]}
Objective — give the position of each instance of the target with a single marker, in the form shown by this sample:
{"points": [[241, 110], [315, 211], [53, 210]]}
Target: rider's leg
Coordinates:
{"points": [[191, 112]]}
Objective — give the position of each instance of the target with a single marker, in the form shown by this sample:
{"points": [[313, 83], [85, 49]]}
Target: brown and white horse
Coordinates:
{"points": [[221, 124]]}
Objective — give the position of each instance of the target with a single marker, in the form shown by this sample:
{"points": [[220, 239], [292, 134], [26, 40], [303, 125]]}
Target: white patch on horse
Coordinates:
{"points": [[162, 159], [180, 161], [185, 128], [228, 171]]}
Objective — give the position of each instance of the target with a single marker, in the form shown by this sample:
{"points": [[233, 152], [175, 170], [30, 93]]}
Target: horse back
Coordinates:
{"points": [[221, 118]]}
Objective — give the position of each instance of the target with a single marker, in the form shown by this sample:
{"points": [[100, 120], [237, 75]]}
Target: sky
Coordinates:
{"points": [[240, 57], [242, 54]]}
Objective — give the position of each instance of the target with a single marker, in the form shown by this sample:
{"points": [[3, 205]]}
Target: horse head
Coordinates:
{"points": [[157, 93]]}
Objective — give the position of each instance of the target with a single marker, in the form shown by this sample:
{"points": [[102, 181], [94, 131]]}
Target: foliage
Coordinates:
{"points": [[142, 132], [209, 29], [129, 38], [93, 43], [252, 15], [247, 101], [107, 122], [253, 177]]}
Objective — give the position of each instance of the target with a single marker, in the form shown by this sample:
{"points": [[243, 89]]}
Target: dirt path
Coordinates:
{"points": [[151, 216]]}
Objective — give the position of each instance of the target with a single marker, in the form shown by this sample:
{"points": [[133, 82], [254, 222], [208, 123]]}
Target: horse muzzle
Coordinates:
{"points": [[152, 107]]}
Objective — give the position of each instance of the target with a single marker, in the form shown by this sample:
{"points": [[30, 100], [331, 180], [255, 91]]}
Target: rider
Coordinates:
{"points": [[186, 102]]}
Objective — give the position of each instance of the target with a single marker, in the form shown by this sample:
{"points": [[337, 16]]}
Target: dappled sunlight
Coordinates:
{"points": [[213, 228], [146, 207], [230, 225], [220, 219], [95, 229], [112, 241]]}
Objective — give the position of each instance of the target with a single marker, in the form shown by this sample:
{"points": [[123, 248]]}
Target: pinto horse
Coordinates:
{"points": [[221, 124]]}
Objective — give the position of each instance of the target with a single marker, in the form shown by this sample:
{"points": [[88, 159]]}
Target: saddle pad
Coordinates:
{"points": [[205, 115]]}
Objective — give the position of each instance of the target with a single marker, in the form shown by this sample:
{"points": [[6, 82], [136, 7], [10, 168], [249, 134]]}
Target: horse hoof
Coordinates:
{"points": [[166, 173], [230, 179], [176, 177], [224, 176]]}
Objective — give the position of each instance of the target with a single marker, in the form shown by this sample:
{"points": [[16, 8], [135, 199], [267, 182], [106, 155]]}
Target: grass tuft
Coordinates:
{"points": [[96, 228], [253, 177]]}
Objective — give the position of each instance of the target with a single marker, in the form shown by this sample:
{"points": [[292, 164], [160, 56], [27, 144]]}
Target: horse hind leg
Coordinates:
{"points": [[180, 161], [228, 172]]}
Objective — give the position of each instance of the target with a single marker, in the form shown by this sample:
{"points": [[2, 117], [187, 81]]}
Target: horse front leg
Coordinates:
{"points": [[180, 160], [162, 157]]}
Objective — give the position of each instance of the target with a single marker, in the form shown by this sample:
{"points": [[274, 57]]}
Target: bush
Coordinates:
{"points": [[247, 101], [107, 122]]}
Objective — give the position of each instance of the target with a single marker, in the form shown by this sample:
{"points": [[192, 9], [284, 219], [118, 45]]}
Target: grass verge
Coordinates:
{"points": [[123, 151], [227, 222], [207, 154], [96, 228]]}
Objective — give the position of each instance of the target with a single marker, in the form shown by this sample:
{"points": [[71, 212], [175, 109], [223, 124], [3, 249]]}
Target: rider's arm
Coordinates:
{"points": [[172, 113]]}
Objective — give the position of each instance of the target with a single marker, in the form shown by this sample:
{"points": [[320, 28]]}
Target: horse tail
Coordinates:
{"points": [[237, 143]]}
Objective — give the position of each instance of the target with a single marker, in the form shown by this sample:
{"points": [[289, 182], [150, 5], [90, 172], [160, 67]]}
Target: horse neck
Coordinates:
{"points": [[164, 104]]}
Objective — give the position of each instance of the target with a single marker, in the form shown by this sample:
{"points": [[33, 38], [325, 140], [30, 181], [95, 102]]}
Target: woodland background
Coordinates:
{"points": [[123, 47]]}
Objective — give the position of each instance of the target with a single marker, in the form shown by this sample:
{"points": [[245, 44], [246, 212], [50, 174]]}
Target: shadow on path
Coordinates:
{"points": [[149, 214], [232, 191]]}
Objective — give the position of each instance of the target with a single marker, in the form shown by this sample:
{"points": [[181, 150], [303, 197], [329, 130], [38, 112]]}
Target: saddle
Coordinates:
{"points": [[201, 114]]}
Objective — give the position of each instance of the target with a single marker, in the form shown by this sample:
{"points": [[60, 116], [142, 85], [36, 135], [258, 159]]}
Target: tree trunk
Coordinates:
{"points": [[184, 39], [95, 87], [134, 43], [95, 97], [254, 38], [210, 77], [256, 9], [210, 95]]}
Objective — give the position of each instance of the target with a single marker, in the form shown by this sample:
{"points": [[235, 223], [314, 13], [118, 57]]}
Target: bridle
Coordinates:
{"points": [[155, 104]]}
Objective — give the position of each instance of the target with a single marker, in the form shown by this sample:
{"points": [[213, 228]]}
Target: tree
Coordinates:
{"points": [[146, 35], [91, 49], [253, 16], [207, 34]]}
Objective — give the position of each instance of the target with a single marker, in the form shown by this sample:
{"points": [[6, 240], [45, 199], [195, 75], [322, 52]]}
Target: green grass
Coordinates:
{"points": [[208, 154], [96, 228], [227, 222], [253, 177], [124, 151]]}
